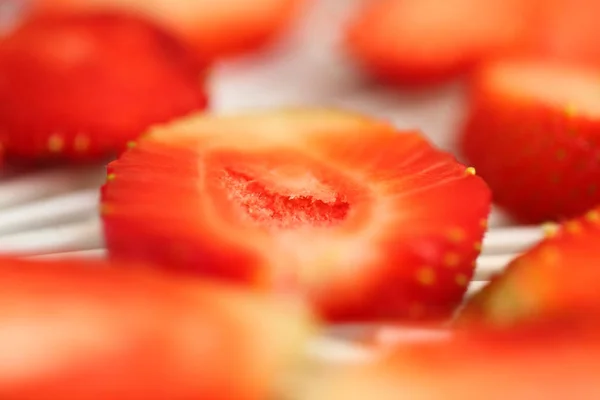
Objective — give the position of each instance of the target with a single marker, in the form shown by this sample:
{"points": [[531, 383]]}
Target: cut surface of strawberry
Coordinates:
{"points": [[214, 29], [91, 330], [552, 362], [533, 135], [429, 41], [556, 278], [365, 221], [80, 87]]}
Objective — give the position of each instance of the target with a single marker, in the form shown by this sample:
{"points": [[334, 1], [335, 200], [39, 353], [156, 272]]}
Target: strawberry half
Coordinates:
{"points": [[86, 330], [429, 41], [552, 362], [533, 133], [214, 29], [555, 278], [365, 221], [80, 87]]}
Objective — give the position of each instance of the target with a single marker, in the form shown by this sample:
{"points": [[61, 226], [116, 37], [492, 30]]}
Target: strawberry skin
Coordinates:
{"points": [[87, 330], [365, 221], [554, 278], [80, 87], [214, 29], [550, 362], [418, 42], [533, 135]]}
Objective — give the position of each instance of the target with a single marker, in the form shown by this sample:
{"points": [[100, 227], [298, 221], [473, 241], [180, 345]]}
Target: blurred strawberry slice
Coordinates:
{"points": [[213, 28], [80, 87], [555, 278], [567, 30], [533, 133], [87, 330], [429, 41], [551, 362]]}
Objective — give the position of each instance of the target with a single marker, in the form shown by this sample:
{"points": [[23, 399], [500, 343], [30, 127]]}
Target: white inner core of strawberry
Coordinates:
{"points": [[285, 199]]}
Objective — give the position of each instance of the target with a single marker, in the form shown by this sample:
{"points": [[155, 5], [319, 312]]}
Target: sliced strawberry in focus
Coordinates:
{"points": [[214, 29], [85, 330], [429, 41], [366, 221], [557, 277], [80, 87], [550, 362], [533, 133]]}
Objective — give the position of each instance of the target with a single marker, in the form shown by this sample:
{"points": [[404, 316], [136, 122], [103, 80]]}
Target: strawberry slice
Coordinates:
{"points": [[556, 277], [213, 28], [552, 362], [367, 222], [532, 134], [79, 87], [86, 330], [430, 41], [567, 30]]}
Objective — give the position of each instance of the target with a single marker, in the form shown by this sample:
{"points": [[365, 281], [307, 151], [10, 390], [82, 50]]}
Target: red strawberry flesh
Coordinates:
{"points": [[365, 221]]}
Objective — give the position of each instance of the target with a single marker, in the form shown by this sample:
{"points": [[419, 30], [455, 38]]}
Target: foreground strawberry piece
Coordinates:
{"points": [[83, 330], [366, 221], [213, 28], [532, 133], [429, 41], [80, 87], [552, 362], [557, 277]]}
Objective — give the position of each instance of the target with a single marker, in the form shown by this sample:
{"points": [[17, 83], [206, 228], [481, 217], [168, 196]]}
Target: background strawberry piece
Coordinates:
{"points": [[404, 244], [429, 41], [80, 87], [532, 133], [555, 278], [566, 30], [214, 29], [84, 330], [551, 361]]}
